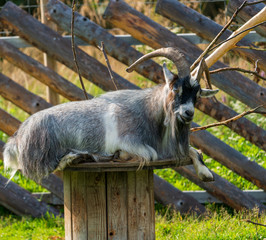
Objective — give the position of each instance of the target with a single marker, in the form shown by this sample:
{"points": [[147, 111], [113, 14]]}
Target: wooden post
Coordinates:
{"points": [[110, 200], [52, 96]]}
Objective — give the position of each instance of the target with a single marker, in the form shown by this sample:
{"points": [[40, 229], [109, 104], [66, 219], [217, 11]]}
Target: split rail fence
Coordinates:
{"points": [[142, 30]]}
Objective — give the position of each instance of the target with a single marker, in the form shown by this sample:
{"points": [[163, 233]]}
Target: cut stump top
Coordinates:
{"points": [[122, 166]]}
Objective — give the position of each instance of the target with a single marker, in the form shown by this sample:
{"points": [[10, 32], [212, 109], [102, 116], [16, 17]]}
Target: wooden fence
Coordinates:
{"points": [[31, 32]]}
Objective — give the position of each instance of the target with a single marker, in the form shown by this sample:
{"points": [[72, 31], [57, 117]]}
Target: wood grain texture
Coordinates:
{"points": [[44, 74], [122, 166], [93, 34], [246, 13], [8, 123], [79, 203], [223, 190], [156, 36], [21, 97], [96, 205], [68, 205], [207, 28], [26, 26], [168, 195], [145, 205], [21, 202], [117, 205]]}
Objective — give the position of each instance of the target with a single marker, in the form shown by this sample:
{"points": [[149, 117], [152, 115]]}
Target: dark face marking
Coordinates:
{"points": [[185, 97]]}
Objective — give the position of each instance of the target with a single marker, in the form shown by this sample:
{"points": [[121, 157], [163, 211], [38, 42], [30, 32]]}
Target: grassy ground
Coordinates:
{"points": [[220, 223]]}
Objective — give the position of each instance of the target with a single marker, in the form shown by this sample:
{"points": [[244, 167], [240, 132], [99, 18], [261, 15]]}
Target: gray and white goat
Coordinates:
{"points": [[151, 124]]}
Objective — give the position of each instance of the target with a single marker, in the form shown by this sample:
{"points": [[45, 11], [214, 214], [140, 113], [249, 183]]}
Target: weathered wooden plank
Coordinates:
{"points": [[96, 205], [8, 123], [44, 74], [246, 13], [223, 190], [117, 205], [68, 205], [145, 205], [48, 198], [79, 206], [205, 197], [48, 61], [26, 26], [200, 196], [21, 202], [54, 184], [191, 37], [132, 223], [153, 34], [229, 157], [168, 195], [206, 28], [94, 34], [21, 97], [122, 166]]}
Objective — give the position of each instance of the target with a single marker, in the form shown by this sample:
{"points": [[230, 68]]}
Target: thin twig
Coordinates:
{"points": [[250, 48], [255, 223], [254, 110], [217, 36], [74, 49], [230, 38], [237, 69], [108, 64]]}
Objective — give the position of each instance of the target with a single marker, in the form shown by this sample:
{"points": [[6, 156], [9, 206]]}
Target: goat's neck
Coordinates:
{"points": [[155, 104]]}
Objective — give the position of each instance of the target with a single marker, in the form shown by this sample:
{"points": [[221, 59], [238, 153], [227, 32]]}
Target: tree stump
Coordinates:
{"points": [[110, 200]]}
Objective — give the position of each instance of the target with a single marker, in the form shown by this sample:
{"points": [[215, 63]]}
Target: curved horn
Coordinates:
{"points": [[172, 54]]}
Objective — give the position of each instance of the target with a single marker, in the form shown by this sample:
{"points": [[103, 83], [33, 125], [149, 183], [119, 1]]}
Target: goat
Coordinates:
{"points": [[150, 124]]}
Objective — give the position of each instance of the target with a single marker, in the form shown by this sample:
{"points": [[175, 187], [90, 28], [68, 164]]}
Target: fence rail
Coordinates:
{"points": [[191, 37]]}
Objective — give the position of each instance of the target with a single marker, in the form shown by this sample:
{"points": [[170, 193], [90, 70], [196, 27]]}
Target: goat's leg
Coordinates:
{"points": [[201, 169]]}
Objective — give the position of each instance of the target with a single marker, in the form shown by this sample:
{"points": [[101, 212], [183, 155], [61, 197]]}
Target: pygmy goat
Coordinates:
{"points": [[150, 124]]}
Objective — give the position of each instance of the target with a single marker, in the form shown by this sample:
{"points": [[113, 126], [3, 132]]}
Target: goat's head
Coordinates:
{"points": [[182, 90]]}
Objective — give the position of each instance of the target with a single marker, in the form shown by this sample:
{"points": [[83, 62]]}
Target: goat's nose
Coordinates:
{"points": [[189, 113]]}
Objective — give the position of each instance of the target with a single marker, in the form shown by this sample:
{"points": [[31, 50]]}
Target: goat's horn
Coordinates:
{"points": [[172, 54], [200, 69]]}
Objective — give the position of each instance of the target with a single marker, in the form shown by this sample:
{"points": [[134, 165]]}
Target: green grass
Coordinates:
{"points": [[220, 223]]}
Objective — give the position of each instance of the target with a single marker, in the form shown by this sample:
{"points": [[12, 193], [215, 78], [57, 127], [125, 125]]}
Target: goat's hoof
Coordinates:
{"points": [[206, 178]]}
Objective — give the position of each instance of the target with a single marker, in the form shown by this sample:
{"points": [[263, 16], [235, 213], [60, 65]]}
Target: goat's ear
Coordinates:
{"points": [[206, 93], [168, 76]]}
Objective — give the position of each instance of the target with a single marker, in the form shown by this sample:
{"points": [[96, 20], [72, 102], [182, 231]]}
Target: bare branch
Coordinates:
{"points": [[255, 223], [108, 64], [237, 69], [254, 110], [252, 48], [217, 36], [74, 49], [230, 38]]}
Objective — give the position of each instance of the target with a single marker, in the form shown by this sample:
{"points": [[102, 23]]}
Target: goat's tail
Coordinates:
{"points": [[11, 157], [35, 149]]}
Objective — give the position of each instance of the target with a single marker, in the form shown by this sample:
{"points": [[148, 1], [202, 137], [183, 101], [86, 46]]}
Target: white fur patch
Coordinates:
{"points": [[113, 143], [111, 131]]}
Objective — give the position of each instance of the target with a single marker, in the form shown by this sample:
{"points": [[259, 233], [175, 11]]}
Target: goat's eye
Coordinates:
{"points": [[177, 91]]}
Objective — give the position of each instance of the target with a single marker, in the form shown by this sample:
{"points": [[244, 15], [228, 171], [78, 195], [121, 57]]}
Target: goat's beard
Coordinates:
{"points": [[176, 136]]}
